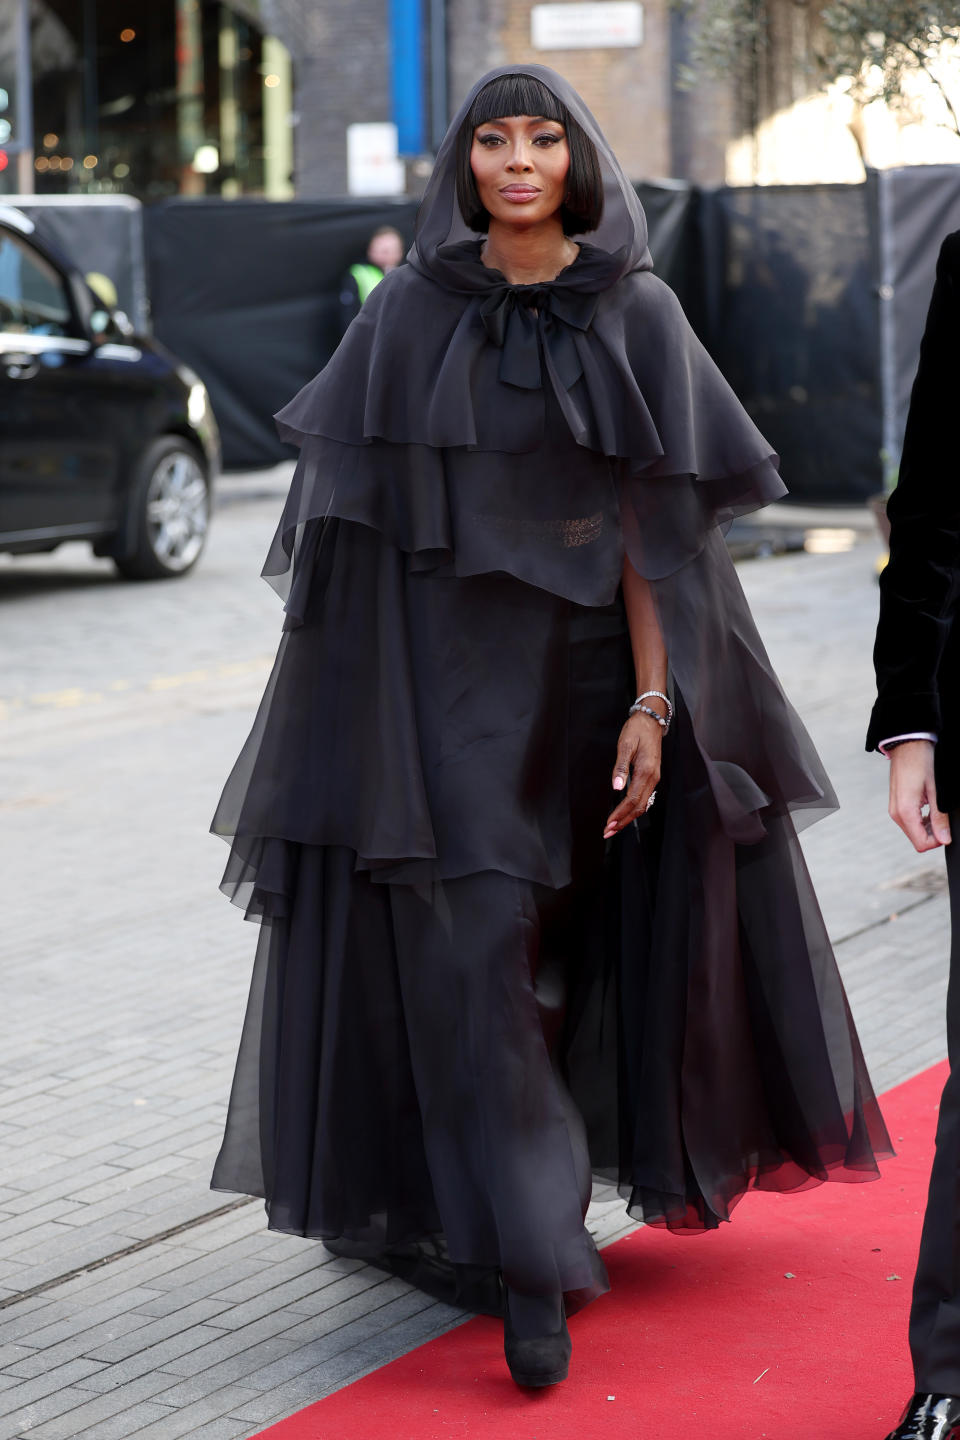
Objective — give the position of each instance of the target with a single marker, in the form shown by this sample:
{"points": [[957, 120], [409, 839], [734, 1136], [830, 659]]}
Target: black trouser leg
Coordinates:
{"points": [[935, 1315]]}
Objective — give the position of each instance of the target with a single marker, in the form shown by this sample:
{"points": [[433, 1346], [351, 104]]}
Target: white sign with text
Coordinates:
{"points": [[594, 26], [373, 166]]}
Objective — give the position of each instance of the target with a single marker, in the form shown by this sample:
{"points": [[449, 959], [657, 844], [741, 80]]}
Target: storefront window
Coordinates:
{"points": [[156, 98]]}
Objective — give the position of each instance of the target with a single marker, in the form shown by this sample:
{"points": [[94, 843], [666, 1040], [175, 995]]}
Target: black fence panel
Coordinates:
{"points": [[791, 319], [102, 233], [671, 209], [245, 292], [916, 206]]}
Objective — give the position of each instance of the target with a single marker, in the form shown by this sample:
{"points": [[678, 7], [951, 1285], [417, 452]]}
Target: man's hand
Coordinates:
{"points": [[913, 796]]}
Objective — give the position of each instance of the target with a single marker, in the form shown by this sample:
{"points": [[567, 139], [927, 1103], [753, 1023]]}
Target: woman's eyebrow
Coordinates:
{"points": [[534, 120]]}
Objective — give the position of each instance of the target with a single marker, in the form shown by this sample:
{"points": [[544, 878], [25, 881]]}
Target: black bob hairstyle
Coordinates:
{"points": [[524, 95]]}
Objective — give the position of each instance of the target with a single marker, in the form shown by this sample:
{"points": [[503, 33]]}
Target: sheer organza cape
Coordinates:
{"points": [[467, 429]]}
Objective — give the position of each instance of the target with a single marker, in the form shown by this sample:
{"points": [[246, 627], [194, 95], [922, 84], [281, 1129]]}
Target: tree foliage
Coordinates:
{"points": [[880, 47], [883, 45]]}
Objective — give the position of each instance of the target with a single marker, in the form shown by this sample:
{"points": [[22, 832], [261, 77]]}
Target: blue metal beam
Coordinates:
{"points": [[406, 74]]}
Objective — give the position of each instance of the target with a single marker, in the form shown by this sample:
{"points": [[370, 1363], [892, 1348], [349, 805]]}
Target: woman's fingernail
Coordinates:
{"points": [[619, 783]]}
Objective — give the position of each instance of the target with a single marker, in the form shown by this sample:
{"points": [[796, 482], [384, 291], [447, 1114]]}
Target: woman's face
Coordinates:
{"points": [[520, 166]]}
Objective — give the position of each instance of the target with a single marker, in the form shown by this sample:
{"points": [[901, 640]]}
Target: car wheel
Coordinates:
{"points": [[169, 512]]}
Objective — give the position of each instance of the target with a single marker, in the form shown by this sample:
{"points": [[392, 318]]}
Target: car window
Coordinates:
{"points": [[33, 296]]}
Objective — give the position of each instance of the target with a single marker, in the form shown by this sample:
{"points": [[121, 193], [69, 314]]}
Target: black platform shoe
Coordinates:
{"points": [[929, 1417], [541, 1360]]}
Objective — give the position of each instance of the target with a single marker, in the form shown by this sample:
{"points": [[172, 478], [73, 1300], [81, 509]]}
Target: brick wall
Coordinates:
{"points": [[627, 90], [341, 54]]}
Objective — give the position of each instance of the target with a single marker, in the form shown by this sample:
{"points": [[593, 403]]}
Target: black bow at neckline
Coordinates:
{"points": [[523, 320]]}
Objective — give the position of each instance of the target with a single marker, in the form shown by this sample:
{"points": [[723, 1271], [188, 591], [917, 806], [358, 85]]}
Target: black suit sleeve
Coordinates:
{"points": [[919, 587]]}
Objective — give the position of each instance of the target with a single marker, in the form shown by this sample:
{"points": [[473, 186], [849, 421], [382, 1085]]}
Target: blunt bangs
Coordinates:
{"points": [[511, 95], [515, 95]]}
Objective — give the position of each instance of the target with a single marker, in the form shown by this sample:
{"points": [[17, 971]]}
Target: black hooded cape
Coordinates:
{"points": [[475, 459]]}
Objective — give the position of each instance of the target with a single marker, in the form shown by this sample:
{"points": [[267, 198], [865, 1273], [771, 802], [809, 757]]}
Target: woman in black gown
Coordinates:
{"points": [[483, 976]]}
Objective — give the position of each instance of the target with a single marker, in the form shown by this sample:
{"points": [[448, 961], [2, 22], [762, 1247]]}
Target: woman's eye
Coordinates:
{"points": [[545, 140], [489, 140]]}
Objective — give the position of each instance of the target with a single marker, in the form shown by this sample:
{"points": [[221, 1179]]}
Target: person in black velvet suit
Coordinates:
{"points": [[916, 721]]}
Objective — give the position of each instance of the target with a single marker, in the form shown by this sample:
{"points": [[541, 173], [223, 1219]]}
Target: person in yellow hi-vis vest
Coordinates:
{"points": [[384, 252]]}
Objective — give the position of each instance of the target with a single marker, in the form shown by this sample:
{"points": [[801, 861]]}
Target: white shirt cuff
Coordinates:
{"points": [[913, 735]]}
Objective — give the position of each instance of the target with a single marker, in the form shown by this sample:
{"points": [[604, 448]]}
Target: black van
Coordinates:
{"points": [[104, 435]]}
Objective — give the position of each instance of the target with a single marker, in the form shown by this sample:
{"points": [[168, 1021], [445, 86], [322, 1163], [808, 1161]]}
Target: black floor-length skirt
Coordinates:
{"points": [[465, 1002]]}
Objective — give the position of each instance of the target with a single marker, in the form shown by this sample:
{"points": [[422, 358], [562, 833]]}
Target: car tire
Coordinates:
{"points": [[168, 512]]}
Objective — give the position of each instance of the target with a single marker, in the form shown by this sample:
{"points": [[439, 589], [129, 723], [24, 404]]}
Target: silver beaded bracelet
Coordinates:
{"points": [[638, 708]]}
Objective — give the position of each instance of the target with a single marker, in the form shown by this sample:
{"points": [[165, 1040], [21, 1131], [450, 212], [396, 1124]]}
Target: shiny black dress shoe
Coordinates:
{"points": [[538, 1361], [929, 1417]]}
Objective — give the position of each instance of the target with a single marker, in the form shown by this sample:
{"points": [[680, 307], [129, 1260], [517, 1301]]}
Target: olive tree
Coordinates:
{"points": [[884, 45], [881, 47]]}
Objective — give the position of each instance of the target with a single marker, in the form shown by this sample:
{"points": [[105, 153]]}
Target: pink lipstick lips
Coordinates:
{"points": [[520, 193]]}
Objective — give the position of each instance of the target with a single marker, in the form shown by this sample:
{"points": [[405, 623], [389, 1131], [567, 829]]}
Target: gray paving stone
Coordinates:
{"points": [[278, 1272], [175, 1297], [55, 1182], [300, 1377], [55, 1379], [187, 1208], [127, 1399], [27, 1315], [118, 1426], [124, 1178], [331, 1333], [81, 1342], [66, 1253], [13, 1354], [11, 1094], [198, 1143], [225, 1344], [206, 1266], [351, 1364], [157, 1357], [241, 1223], [87, 1320], [366, 1286], [21, 1216], [141, 1269], [142, 1337], [18, 1423], [226, 1428], [316, 1285], [188, 1420]]}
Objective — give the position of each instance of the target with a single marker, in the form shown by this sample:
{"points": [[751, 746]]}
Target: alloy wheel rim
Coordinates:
{"points": [[177, 510]]}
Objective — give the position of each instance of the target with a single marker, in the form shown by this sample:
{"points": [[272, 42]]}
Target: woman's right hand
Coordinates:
{"points": [[637, 770]]}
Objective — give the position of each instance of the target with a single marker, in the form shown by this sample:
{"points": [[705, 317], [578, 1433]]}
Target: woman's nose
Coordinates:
{"points": [[519, 160]]}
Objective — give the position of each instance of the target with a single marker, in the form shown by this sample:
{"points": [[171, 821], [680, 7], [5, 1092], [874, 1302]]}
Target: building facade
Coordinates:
{"points": [[157, 98]]}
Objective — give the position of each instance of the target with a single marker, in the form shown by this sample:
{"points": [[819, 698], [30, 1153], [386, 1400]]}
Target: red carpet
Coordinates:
{"points": [[701, 1336]]}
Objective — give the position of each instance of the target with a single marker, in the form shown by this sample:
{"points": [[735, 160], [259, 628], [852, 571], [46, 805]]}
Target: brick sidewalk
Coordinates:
{"points": [[126, 974]]}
